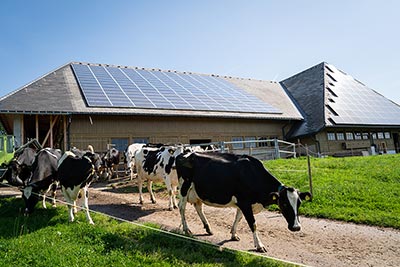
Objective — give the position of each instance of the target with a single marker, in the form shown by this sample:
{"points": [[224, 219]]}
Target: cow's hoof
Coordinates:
{"points": [[170, 208], [153, 201], [235, 238], [261, 249], [188, 232], [208, 230]]}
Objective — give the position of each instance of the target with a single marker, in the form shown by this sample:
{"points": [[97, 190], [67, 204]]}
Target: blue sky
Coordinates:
{"points": [[269, 40]]}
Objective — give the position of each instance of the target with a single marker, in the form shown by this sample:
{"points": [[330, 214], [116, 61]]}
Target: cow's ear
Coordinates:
{"points": [[273, 197], [305, 196]]}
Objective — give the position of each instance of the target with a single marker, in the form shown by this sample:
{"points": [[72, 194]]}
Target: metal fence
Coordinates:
{"points": [[261, 149]]}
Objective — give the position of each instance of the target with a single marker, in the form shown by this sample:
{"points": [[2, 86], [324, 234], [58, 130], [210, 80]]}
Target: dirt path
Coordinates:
{"points": [[320, 243]]}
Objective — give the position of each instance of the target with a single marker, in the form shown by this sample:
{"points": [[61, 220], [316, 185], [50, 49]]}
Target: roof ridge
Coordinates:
{"points": [[169, 70]]}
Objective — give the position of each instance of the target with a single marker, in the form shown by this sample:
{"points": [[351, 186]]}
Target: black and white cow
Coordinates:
{"points": [[75, 173], [110, 163], [43, 178], [228, 180], [130, 157], [20, 167], [156, 165]]}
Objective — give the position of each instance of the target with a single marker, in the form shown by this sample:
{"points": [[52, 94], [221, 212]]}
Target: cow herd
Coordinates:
{"points": [[202, 177]]}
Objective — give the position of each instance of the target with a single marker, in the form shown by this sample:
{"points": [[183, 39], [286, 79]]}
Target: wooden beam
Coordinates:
{"points": [[65, 132], [37, 126], [50, 132]]}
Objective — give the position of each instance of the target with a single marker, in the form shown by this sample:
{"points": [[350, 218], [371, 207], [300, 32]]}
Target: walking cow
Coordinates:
{"points": [[75, 174], [156, 165], [228, 180]]}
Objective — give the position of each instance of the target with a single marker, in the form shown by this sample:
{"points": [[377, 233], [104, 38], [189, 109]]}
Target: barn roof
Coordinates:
{"points": [[63, 91], [328, 97]]}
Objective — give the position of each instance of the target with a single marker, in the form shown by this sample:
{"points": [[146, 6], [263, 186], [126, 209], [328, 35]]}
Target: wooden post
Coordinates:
{"points": [[65, 132], [309, 171], [37, 127]]}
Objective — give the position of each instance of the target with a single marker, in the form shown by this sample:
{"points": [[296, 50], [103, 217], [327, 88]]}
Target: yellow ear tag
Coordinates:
{"points": [[308, 198], [273, 197]]}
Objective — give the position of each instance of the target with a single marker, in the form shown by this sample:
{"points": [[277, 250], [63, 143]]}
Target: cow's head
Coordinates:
{"points": [[95, 159], [31, 198], [19, 173], [289, 200]]}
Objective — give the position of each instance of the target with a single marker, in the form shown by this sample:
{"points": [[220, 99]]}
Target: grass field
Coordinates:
{"points": [[47, 239], [362, 190], [359, 189]]}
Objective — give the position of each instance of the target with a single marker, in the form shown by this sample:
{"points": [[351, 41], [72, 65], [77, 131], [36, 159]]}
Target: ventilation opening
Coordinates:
{"points": [[331, 92], [329, 69], [330, 76], [331, 110]]}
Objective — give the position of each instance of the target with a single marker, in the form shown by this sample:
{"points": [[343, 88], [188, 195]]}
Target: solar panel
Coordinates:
{"points": [[109, 86], [356, 103]]}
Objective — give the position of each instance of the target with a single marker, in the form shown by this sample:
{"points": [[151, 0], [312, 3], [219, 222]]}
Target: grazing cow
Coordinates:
{"points": [[228, 180], [156, 165], [111, 162], [43, 178], [75, 173], [130, 156], [21, 167]]}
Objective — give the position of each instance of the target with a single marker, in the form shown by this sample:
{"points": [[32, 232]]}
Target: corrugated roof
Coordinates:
{"points": [[59, 92]]}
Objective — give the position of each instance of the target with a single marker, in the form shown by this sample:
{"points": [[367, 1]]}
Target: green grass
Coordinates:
{"points": [[363, 190], [45, 238]]}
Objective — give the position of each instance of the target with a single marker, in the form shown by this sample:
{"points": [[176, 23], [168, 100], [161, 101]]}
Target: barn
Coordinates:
{"points": [[81, 103], [342, 116]]}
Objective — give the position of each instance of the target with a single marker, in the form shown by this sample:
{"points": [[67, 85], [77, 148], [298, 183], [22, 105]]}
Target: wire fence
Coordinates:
{"points": [[168, 233]]}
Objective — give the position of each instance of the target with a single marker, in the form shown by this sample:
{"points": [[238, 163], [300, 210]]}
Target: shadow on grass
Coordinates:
{"points": [[13, 221]]}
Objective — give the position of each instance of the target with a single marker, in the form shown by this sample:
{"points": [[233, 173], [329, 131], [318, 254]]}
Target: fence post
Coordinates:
{"points": [[277, 155], [222, 145], [309, 172]]}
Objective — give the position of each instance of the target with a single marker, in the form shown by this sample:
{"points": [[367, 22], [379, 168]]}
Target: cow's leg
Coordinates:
{"points": [[54, 193], [150, 189], [115, 170], [238, 217], [171, 195], [248, 214], [86, 204], [70, 203], [198, 205], [182, 210], [44, 198], [132, 170], [140, 186]]}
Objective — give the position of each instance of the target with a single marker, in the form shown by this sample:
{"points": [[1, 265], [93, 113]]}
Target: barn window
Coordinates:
{"points": [[237, 145], [380, 135], [365, 136], [340, 136], [349, 136], [357, 136], [251, 144], [373, 135], [387, 135], [141, 140], [331, 136], [120, 143]]}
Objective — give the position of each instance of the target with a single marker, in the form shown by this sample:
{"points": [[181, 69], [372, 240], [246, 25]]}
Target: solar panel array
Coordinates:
{"points": [[111, 86], [355, 103]]}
